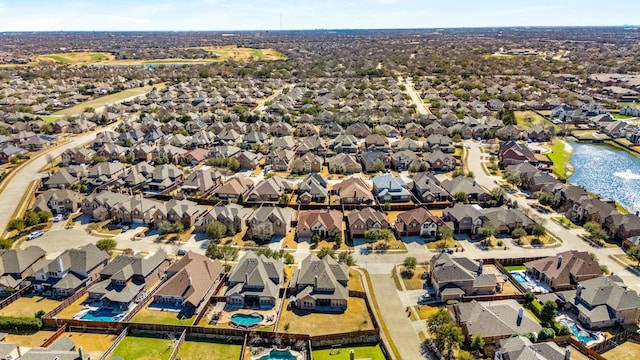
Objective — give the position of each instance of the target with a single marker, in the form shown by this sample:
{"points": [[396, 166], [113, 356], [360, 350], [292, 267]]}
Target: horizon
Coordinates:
{"points": [[305, 15]]}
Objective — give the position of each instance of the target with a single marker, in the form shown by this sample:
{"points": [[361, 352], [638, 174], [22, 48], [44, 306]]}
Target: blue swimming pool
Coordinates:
{"points": [[584, 337], [519, 277], [247, 319], [279, 355], [102, 315]]}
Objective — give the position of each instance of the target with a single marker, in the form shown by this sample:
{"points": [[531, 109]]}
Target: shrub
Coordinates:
{"points": [[15, 224], [106, 245], [39, 314], [20, 323], [546, 333]]}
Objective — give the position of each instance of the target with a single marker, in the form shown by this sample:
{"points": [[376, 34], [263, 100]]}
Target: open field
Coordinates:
{"points": [[203, 350], [29, 339], [223, 53], [361, 352], [28, 306], [308, 322], [561, 158], [92, 343], [143, 348], [108, 99]]}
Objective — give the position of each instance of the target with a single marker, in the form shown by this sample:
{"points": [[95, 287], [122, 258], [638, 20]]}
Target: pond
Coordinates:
{"points": [[610, 172]]}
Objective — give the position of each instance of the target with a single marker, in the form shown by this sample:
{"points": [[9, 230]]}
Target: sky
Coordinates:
{"points": [[150, 15]]}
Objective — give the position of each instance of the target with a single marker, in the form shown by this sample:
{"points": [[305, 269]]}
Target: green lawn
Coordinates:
{"points": [[98, 57], [560, 157], [361, 352], [58, 58], [50, 118], [515, 268], [108, 99], [161, 317], [258, 54], [143, 348], [204, 350]]}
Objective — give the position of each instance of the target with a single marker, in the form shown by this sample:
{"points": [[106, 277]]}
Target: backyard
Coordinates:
{"points": [[28, 306], [92, 343], [204, 350], [361, 352], [74, 308], [29, 339], [143, 348], [149, 316], [314, 323], [627, 350]]}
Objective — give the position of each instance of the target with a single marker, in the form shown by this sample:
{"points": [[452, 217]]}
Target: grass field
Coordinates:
{"points": [[307, 322], [204, 350], [79, 58], [143, 348], [29, 339], [424, 311], [361, 352], [108, 99], [529, 119], [561, 158], [621, 117], [515, 268], [28, 306], [92, 343], [161, 317], [355, 281], [51, 118]]}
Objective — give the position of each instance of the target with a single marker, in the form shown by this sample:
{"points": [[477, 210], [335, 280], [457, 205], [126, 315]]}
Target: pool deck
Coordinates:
{"points": [[267, 352], [225, 316], [568, 321], [531, 284]]}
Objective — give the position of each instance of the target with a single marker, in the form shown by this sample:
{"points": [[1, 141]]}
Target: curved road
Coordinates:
{"points": [[17, 186]]}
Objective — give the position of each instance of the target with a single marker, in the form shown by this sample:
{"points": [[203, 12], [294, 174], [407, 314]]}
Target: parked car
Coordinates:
{"points": [[35, 234], [58, 218], [424, 298], [182, 252], [125, 228]]}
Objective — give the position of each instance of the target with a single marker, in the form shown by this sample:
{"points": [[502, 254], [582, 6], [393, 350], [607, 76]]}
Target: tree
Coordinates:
{"points": [[499, 196], [548, 312], [225, 252], [216, 230], [445, 233], [477, 343], [378, 166], [338, 239], [538, 230], [486, 231], [634, 253], [284, 199], [410, 263], [325, 251], [512, 178], [98, 159], [437, 320], [233, 164], [346, 258], [107, 245], [461, 197], [31, 218], [315, 239], [16, 224], [596, 232], [44, 216], [528, 298], [546, 333], [518, 233], [451, 336]]}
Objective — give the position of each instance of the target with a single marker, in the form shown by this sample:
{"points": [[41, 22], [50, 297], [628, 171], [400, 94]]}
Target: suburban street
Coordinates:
{"points": [[420, 108]]}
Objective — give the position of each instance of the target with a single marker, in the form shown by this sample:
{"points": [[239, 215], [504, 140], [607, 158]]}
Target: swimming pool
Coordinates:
{"points": [[583, 336], [279, 355], [247, 319], [530, 283], [102, 315]]}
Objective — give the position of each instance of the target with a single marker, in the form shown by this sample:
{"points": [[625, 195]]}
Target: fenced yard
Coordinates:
{"points": [[361, 352], [197, 349], [93, 344], [355, 318], [29, 339], [151, 316], [29, 305], [74, 308], [144, 348]]}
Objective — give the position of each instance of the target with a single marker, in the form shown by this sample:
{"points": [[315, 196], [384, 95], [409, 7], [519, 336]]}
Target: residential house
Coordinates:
{"points": [[17, 265], [564, 270], [408, 144], [439, 161], [416, 222], [345, 144], [426, 188], [353, 191], [625, 227], [103, 173], [373, 161], [359, 221], [269, 221], [233, 216], [603, 302], [255, 281], [512, 153], [284, 143], [390, 189], [320, 285], [455, 277], [325, 223], [233, 188], [506, 219], [280, 159], [190, 283], [313, 144], [70, 271], [248, 160], [520, 347], [61, 349], [126, 278], [165, 177], [359, 130], [201, 182], [77, 156], [306, 163], [313, 189], [440, 142], [307, 130], [269, 190], [57, 201], [494, 320], [467, 186], [465, 218], [344, 164]]}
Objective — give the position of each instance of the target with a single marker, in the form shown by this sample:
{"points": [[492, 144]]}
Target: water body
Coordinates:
{"points": [[608, 171]]}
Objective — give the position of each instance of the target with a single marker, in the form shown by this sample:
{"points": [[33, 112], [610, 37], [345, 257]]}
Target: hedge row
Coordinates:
{"points": [[19, 323]]}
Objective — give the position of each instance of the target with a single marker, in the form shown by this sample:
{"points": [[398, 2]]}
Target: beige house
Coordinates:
{"points": [[454, 278], [324, 223], [269, 221]]}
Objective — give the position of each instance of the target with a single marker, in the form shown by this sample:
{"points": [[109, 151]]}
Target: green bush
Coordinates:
{"points": [[20, 323], [546, 333]]}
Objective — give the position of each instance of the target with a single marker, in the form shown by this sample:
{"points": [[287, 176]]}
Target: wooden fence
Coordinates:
{"points": [[15, 296], [175, 351], [585, 350], [113, 346], [55, 336]]}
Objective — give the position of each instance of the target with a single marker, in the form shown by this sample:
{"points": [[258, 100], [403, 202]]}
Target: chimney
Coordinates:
{"points": [[315, 281], [19, 351], [559, 261], [246, 278], [81, 353], [190, 281], [60, 266], [520, 315], [567, 354], [352, 355], [578, 290]]}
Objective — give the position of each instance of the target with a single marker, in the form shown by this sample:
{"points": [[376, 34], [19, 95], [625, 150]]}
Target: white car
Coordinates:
{"points": [[58, 218], [35, 234]]}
